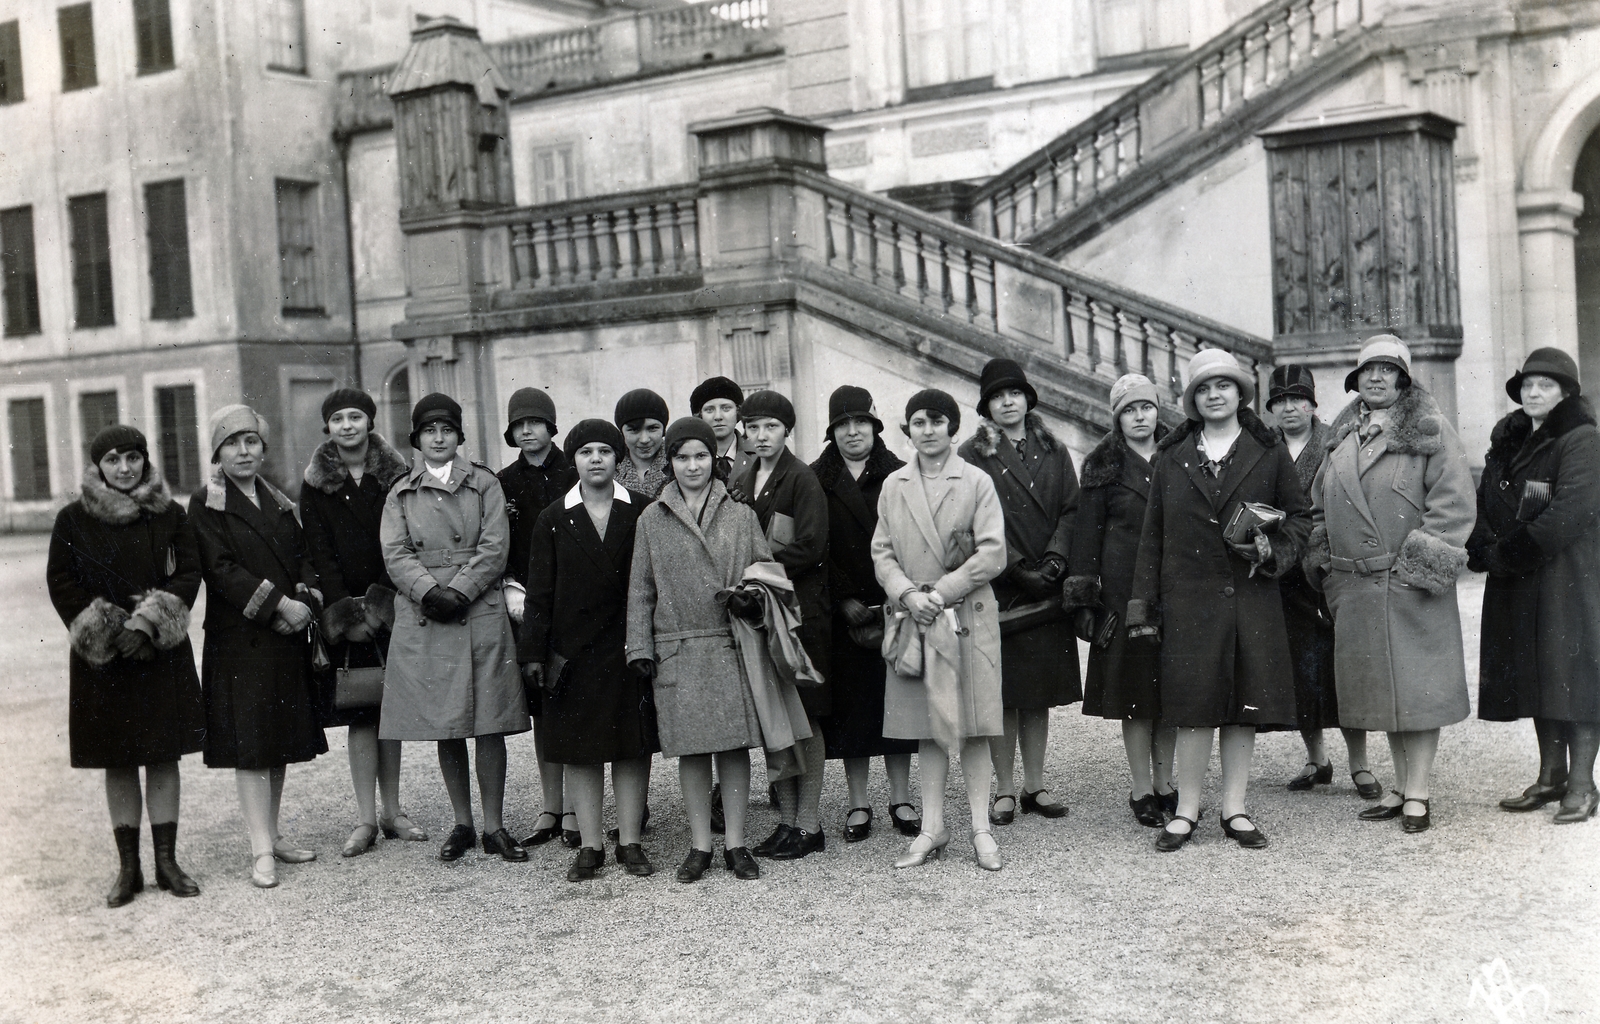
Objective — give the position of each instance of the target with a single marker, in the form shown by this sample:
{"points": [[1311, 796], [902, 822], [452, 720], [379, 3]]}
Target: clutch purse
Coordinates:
{"points": [[1106, 623], [780, 532], [358, 687], [1249, 517], [1536, 495]]}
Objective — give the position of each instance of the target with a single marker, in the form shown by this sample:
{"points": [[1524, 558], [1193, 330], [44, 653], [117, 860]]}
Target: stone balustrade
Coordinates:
{"points": [[622, 237]]}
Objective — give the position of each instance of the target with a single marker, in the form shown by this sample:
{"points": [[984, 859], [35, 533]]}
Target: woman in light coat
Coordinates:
{"points": [[940, 539], [1393, 506]]}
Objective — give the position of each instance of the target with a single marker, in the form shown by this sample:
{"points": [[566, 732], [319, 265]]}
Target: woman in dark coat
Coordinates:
{"points": [[123, 573], [573, 646], [1214, 605], [346, 481], [793, 513], [1038, 488], [852, 470], [261, 702], [1124, 682], [1538, 537]]}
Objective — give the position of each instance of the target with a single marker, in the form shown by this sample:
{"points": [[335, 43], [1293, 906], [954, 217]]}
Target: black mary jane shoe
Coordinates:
{"points": [[1250, 838], [1366, 790], [586, 865], [500, 842], [1029, 804], [1383, 812], [1584, 809], [1534, 797], [632, 858], [1002, 817], [719, 821], [540, 836], [801, 843], [1168, 802], [780, 838], [694, 865], [1415, 822], [741, 863], [461, 839], [615, 835], [1313, 774], [1169, 840], [856, 833], [1147, 809], [571, 838], [906, 826]]}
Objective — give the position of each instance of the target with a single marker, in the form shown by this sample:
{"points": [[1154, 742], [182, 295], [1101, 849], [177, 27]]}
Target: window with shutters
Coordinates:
{"points": [[297, 247], [178, 437], [152, 32], [554, 174], [91, 261], [947, 41], [10, 63], [167, 230], [97, 410], [286, 35], [76, 28], [1137, 26], [30, 450], [21, 281]]}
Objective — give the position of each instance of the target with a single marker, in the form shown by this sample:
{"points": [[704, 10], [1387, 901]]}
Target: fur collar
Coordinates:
{"points": [[1248, 421], [987, 440], [327, 473], [1415, 427], [217, 493], [1104, 465], [1515, 432], [830, 465], [114, 508]]}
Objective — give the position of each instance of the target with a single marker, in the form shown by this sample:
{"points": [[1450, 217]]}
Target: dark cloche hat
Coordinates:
{"points": [[849, 400], [348, 398], [591, 430], [768, 404], [937, 401], [714, 387], [435, 408], [1548, 362], [1003, 373], [640, 404], [1291, 380], [530, 404], [690, 428], [119, 437]]}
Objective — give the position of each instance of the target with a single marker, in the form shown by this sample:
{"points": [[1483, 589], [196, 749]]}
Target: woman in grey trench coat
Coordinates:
{"points": [[1392, 508], [452, 670]]}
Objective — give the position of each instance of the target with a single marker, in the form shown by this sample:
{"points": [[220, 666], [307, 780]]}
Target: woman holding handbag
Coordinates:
{"points": [[346, 482]]}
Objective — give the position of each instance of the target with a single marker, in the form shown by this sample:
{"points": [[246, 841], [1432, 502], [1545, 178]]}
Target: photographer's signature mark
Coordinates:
{"points": [[1507, 1000]]}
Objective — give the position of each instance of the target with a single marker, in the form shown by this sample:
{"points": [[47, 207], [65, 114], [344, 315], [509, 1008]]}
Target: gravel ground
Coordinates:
{"points": [[1340, 920]]}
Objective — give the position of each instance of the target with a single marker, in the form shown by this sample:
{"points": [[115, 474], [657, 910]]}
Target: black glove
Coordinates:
{"points": [[869, 636], [442, 604], [1083, 624], [1053, 567], [855, 613], [1033, 583], [147, 649], [745, 605], [644, 668]]}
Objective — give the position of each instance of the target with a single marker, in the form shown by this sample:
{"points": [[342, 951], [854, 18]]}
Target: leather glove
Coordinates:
{"points": [[126, 642], [534, 673], [359, 633], [869, 636], [855, 613], [296, 613], [1033, 583], [147, 648], [516, 600], [746, 606], [737, 494], [645, 668], [441, 604], [1053, 567], [1083, 624]]}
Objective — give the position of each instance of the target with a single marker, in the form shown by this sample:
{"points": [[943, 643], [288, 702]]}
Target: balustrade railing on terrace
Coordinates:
{"points": [[628, 236], [1214, 82], [675, 37], [530, 62]]}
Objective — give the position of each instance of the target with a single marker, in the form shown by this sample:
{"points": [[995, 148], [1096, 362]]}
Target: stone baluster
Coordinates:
{"points": [[523, 260], [689, 232], [983, 287]]}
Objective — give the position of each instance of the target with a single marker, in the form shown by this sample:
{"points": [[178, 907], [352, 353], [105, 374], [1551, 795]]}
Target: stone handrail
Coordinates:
{"points": [[1214, 82], [626, 236], [530, 61], [676, 37]]}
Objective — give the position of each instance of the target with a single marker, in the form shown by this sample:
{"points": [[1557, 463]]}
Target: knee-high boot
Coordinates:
{"points": [[168, 875], [130, 879]]}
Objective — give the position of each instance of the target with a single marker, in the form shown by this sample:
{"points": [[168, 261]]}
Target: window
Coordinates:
{"points": [[167, 229], [1134, 26], [286, 35], [554, 177], [178, 437], [30, 450], [152, 30], [947, 41], [97, 410], [76, 24], [10, 63], [91, 261], [297, 249], [21, 288]]}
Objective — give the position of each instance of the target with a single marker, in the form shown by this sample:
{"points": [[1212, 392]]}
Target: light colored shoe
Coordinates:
{"points": [[924, 848], [291, 854], [361, 840], [264, 871], [988, 860]]}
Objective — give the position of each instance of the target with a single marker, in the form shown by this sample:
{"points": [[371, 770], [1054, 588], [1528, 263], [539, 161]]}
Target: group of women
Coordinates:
{"points": [[688, 587]]}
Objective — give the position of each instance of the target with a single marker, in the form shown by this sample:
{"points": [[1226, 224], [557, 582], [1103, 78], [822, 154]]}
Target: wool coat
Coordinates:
{"points": [[1539, 656], [1224, 650], [114, 555], [1392, 517], [854, 727], [651, 481], [793, 490], [680, 563], [341, 519], [260, 698], [1038, 491], [956, 549], [599, 709], [449, 680], [529, 490], [1124, 679], [1306, 615]]}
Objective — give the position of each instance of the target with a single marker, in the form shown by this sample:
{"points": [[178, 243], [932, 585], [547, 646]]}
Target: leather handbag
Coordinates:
{"points": [[355, 688]]}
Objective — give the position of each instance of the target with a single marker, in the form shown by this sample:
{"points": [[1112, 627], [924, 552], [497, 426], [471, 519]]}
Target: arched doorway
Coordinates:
{"points": [[397, 408], [1586, 262]]}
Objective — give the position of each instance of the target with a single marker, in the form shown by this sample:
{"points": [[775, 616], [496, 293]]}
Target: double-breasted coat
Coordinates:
{"points": [[793, 490], [1124, 678], [1393, 514], [449, 680], [1224, 649], [599, 709], [854, 727], [955, 547], [1038, 491], [113, 555], [1538, 537], [680, 561], [529, 490], [260, 697], [1306, 615]]}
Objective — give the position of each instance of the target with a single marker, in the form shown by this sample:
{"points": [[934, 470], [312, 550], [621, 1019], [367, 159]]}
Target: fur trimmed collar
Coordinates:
{"points": [[987, 440], [1415, 427], [112, 507], [1249, 422], [1104, 465], [830, 464], [217, 493], [1515, 432], [327, 473]]}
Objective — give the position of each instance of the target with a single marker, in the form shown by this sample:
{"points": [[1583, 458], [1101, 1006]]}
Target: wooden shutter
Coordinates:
{"points": [[167, 230], [179, 437], [21, 279], [97, 410], [76, 25], [91, 261], [152, 29], [30, 450], [10, 63], [297, 250]]}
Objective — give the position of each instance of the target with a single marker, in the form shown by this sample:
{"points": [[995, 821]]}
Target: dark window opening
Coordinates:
{"points": [[91, 261], [178, 437], [30, 450], [152, 29], [297, 248], [10, 63], [167, 229], [21, 278], [76, 24]]}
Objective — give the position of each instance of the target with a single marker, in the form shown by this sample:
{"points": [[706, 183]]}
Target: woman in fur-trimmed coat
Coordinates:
{"points": [[123, 573]]}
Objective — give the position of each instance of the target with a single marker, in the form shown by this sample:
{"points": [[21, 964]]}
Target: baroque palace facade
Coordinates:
{"points": [[254, 201]]}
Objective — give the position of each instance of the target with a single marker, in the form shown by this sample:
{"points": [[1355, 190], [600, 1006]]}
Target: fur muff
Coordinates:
{"points": [[1103, 466], [1080, 592], [167, 615], [989, 435], [1415, 427], [327, 473], [341, 616], [379, 608], [1426, 561], [1318, 554], [115, 508], [92, 631], [880, 462], [1266, 436]]}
